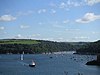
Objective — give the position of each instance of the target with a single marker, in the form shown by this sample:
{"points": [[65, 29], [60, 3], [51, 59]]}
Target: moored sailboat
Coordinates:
{"points": [[22, 56]]}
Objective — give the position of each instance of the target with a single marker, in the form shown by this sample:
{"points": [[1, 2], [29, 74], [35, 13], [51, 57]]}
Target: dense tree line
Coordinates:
{"points": [[91, 48], [41, 47]]}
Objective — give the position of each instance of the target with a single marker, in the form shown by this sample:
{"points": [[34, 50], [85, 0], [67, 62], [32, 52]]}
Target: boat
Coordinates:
{"points": [[22, 56], [32, 64]]}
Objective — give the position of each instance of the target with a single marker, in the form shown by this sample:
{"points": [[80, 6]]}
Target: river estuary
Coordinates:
{"points": [[59, 64]]}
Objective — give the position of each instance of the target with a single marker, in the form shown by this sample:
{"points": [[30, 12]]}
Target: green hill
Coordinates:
{"points": [[37, 46], [91, 48], [18, 41], [32, 46]]}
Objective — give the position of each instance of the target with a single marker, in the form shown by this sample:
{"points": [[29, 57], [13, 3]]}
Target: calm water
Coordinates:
{"points": [[59, 64]]}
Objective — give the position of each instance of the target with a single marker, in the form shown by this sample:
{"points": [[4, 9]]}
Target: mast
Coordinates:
{"points": [[22, 56]]}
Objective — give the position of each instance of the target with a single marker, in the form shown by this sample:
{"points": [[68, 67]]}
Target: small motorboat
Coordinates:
{"points": [[32, 64]]}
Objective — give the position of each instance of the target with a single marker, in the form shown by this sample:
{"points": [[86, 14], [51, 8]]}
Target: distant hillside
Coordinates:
{"points": [[91, 48], [78, 45], [18, 41], [33, 46]]}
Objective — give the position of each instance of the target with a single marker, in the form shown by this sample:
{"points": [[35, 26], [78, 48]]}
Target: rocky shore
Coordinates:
{"points": [[94, 62]]}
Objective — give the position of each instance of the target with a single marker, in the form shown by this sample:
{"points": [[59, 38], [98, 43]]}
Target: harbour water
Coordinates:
{"points": [[59, 64]]}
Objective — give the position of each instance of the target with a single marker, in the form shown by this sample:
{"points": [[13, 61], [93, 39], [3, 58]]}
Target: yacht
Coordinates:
{"points": [[32, 64]]}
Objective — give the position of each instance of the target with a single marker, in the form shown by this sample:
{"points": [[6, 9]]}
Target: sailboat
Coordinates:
{"points": [[32, 64], [22, 56]]}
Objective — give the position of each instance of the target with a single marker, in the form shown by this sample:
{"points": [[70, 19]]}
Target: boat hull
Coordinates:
{"points": [[31, 65]]}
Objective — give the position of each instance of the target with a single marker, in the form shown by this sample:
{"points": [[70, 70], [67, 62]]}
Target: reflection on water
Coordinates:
{"points": [[59, 64]]}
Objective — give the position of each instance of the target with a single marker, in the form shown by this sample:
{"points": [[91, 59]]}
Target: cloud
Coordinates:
{"points": [[53, 5], [41, 11], [72, 30], [7, 18], [94, 32], [71, 3], [53, 11], [2, 28], [24, 26], [62, 5], [35, 35], [2, 32], [40, 23], [92, 2], [65, 21], [88, 17], [81, 37], [68, 4], [29, 12], [50, 39], [57, 24], [18, 36]]}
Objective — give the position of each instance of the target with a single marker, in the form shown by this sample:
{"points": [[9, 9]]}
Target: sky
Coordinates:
{"points": [[54, 20]]}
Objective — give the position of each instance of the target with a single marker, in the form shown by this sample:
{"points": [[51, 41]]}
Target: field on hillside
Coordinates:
{"points": [[18, 41]]}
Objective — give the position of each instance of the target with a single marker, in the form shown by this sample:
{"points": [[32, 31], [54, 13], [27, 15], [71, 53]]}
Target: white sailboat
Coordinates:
{"points": [[32, 64], [22, 56]]}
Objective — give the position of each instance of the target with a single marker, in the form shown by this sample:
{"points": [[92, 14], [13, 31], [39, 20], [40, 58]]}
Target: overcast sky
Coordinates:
{"points": [[56, 20]]}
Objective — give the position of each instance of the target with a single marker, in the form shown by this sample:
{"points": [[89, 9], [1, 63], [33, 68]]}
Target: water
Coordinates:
{"points": [[59, 64]]}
